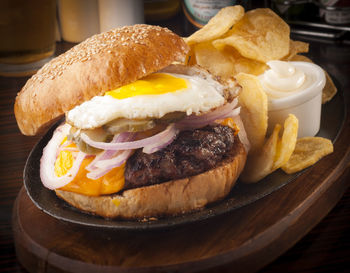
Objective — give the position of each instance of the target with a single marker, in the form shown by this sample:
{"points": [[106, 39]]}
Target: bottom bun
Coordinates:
{"points": [[169, 198]]}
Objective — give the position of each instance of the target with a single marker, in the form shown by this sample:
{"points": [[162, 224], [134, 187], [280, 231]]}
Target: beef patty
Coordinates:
{"points": [[191, 153]]}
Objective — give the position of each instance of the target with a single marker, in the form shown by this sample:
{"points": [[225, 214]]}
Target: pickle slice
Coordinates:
{"points": [[171, 117], [97, 134], [128, 125]]}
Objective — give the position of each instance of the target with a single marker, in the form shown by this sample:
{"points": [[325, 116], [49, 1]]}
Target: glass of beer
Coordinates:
{"points": [[27, 31]]}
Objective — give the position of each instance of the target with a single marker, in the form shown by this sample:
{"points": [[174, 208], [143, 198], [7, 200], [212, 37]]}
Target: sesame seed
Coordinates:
{"points": [[106, 42]]}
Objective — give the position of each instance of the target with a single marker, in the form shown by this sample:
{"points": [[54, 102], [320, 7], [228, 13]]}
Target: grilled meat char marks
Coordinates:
{"points": [[191, 153]]}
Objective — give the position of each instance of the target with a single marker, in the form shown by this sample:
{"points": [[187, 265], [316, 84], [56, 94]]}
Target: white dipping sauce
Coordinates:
{"points": [[294, 88]]}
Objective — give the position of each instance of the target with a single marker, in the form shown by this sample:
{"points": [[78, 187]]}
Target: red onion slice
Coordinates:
{"points": [[108, 154], [165, 141], [115, 161], [47, 162], [129, 145], [102, 167], [193, 122]]}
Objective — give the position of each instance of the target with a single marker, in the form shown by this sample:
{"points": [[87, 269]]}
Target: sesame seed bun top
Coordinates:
{"points": [[103, 62]]}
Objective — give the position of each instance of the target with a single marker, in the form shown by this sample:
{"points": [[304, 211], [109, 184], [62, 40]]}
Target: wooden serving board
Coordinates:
{"points": [[244, 239]]}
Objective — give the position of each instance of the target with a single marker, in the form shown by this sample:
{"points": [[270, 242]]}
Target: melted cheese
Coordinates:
{"points": [[230, 123], [110, 183]]}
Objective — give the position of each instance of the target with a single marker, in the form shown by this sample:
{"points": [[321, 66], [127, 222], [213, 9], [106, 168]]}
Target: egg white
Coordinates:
{"points": [[200, 96]]}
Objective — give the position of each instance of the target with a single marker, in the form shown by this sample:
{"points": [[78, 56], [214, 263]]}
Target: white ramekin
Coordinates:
{"points": [[305, 105]]}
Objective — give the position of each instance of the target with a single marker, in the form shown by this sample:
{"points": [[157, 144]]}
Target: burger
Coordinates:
{"points": [[144, 135]]}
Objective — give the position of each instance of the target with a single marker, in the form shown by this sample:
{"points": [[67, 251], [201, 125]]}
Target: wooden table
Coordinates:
{"points": [[324, 249]]}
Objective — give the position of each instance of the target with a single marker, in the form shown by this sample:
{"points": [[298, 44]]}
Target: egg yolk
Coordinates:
{"points": [[153, 84], [110, 183]]}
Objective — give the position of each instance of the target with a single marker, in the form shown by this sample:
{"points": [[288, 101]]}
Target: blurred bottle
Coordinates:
{"points": [[159, 10], [197, 13], [27, 31], [117, 13], [78, 19], [336, 12], [295, 10]]}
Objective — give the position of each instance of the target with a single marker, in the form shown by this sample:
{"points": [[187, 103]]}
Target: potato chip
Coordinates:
{"points": [[218, 25], [329, 89], [300, 58], [286, 145], [308, 151], [296, 47], [244, 65], [260, 35], [274, 153], [253, 101], [216, 62], [225, 63], [260, 163]]}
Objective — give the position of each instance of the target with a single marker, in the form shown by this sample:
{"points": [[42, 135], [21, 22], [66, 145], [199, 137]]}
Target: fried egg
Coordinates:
{"points": [[150, 97]]}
